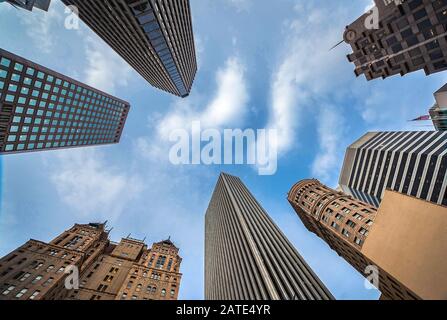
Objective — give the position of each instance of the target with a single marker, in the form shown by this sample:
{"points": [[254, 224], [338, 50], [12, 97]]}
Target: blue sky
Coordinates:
{"points": [[260, 65]]}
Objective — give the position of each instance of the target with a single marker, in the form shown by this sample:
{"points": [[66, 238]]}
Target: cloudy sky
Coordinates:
{"points": [[260, 66]]}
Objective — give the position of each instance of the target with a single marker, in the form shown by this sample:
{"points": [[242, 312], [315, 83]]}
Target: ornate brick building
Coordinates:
{"points": [[128, 270], [396, 238]]}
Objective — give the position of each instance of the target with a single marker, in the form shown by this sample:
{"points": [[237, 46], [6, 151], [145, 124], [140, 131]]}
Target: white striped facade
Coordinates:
{"points": [[413, 163]]}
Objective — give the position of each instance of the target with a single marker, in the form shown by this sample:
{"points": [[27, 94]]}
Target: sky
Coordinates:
{"points": [[259, 66]]}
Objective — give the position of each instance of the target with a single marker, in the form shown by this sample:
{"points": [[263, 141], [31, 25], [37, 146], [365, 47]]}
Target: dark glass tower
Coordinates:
{"points": [[247, 257], [41, 109], [155, 37], [411, 36], [30, 4]]}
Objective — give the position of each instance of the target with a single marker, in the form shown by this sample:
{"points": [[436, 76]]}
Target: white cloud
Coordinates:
{"points": [[240, 5], [105, 70], [90, 186], [306, 72], [40, 26], [331, 125], [228, 105]]}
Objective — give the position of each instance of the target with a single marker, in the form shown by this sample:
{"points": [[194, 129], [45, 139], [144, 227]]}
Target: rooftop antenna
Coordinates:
{"points": [[336, 45], [128, 236]]}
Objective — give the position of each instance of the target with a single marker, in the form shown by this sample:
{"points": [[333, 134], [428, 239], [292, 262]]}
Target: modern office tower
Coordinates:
{"points": [[41, 109], [107, 271], [401, 246], [247, 257], [29, 4], [413, 163], [154, 36], [438, 113], [398, 38]]}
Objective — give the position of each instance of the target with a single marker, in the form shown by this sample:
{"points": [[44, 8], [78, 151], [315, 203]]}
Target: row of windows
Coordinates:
{"points": [[19, 68], [47, 145], [61, 112], [21, 293]]}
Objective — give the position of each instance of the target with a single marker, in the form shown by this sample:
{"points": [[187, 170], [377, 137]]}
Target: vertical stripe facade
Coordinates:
{"points": [[247, 257], [412, 163]]}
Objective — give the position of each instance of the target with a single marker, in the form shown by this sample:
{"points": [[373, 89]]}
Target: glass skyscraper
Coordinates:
{"points": [[41, 109], [155, 37], [29, 4]]}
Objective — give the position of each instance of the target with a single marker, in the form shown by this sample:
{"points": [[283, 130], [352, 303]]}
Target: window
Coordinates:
{"points": [[50, 268], [37, 279], [351, 224], [345, 233], [8, 290], [5, 62], [21, 293], [25, 276], [37, 265], [169, 264], [34, 295], [363, 231], [369, 222], [102, 287], [172, 292], [358, 241], [163, 292], [358, 216], [49, 281]]}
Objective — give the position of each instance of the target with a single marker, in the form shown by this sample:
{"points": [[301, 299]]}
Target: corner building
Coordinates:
{"points": [[411, 36], [396, 238], [127, 270]]}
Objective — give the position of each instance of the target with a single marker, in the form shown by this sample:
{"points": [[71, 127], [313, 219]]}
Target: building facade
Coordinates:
{"points": [[29, 4], [412, 163], [127, 270], [399, 37], [41, 109], [155, 37], [395, 240], [438, 113], [247, 257]]}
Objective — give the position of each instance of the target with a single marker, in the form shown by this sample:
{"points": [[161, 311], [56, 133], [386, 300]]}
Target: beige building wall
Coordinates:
{"points": [[409, 241]]}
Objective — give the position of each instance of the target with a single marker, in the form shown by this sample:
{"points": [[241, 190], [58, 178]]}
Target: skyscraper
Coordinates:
{"points": [[399, 37], [438, 113], [401, 246], [247, 257], [41, 109], [413, 163], [154, 36], [30, 4], [107, 271]]}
